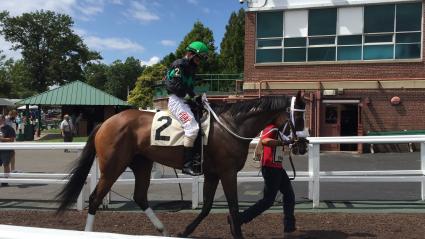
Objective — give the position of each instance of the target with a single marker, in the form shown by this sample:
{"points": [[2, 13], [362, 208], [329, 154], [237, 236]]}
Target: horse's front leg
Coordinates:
{"points": [[210, 186], [229, 182]]}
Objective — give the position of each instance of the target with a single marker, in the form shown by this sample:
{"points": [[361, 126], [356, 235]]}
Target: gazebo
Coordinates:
{"points": [[78, 98]]}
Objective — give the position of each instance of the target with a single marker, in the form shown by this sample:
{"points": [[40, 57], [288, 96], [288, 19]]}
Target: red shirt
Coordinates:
{"points": [[268, 152]]}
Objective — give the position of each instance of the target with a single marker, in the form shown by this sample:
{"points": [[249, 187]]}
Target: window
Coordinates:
{"points": [[409, 17], [331, 115], [269, 55], [269, 24], [322, 22], [379, 18], [371, 32]]}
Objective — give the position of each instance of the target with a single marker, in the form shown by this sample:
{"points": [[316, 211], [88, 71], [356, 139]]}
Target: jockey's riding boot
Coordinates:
{"points": [[188, 162], [289, 224]]}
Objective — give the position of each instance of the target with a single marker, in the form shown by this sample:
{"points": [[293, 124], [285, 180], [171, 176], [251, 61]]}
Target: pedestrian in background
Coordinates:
{"points": [[67, 129], [7, 134]]}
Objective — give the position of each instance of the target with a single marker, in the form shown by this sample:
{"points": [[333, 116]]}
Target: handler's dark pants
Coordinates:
{"points": [[274, 180]]}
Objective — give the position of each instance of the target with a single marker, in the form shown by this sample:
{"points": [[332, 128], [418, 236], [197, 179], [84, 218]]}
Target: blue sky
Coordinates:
{"points": [[145, 29]]}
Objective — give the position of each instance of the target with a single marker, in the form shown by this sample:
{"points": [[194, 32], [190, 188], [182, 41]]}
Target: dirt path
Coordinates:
{"points": [[317, 225]]}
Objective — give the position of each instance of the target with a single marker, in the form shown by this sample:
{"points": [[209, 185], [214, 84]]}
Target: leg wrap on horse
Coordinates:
{"points": [[89, 222], [155, 221]]}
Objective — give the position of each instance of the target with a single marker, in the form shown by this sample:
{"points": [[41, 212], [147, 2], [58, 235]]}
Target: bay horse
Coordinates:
{"points": [[124, 141]]}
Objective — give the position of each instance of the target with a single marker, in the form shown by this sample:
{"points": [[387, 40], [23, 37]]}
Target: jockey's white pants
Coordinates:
{"points": [[184, 115]]}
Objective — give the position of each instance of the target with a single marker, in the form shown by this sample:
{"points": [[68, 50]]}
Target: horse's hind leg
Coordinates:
{"points": [[210, 186], [142, 168], [102, 188]]}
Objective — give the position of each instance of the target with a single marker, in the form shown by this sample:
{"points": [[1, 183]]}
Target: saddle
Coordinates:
{"points": [[166, 130]]}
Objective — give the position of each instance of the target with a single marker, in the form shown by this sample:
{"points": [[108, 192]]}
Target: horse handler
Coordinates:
{"points": [[275, 179]]}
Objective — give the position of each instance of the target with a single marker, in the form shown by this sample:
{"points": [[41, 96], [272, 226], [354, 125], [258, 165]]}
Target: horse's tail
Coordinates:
{"points": [[78, 174]]}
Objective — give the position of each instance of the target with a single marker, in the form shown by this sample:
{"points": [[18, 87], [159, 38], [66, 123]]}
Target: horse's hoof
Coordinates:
{"points": [[182, 235]]}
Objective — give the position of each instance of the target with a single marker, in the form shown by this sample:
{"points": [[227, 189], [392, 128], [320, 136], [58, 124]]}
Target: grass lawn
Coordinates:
{"points": [[76, 139], [51, 131]]}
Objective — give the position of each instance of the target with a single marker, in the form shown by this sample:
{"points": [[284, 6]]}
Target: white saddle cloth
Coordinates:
{"points": [[167, 131]]}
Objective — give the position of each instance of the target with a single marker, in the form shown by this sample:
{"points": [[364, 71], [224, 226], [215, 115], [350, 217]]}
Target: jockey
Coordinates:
{"points": [[179, 83]]}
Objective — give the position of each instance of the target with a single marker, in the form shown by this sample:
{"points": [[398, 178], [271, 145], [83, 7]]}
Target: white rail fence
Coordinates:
{"points": [[314, 176]]}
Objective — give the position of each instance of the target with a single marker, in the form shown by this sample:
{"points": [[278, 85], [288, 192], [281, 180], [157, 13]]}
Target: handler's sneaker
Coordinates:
{"points": [[289, 225]]}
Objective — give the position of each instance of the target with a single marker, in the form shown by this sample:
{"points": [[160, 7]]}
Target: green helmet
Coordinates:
{"points": [[198, 48]]}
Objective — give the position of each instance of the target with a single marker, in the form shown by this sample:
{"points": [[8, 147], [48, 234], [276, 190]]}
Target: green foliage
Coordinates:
{"points": [[95, 74], [168, 59], [14, 79], [200, 33], [143, 92], [52, 52], [122, 76], [232, 45]]}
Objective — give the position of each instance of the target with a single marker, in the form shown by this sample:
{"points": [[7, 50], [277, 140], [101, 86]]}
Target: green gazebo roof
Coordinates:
{"points": [[74, 93]]}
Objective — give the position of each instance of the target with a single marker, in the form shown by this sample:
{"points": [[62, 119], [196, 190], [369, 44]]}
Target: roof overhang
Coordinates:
{"points": [[334, 84], [268, 5]]}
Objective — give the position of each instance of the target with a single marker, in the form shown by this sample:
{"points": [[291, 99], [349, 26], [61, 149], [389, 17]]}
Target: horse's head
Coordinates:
{"points": [[296, 122]]}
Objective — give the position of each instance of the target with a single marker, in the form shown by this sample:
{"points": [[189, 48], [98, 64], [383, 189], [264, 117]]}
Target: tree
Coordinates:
{"points": [[204, 34], [122, 77], [5, 84], [232, 45], [168, 59], [96, 75], [143, 93], [21, 80], [53, 53]]}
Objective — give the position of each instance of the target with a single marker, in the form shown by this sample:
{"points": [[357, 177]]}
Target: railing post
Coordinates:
{"points": [[195, 192], [310, 171], [315, 153], [423, 170]]}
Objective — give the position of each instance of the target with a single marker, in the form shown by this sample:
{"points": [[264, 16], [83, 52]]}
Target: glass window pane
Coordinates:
{"points": [[409, 16], [331, 114], [350, 40], [270, 43], [321, 41], [378, 38], [322, 22], [408, 37], [269, 24], [269, 55], [294, 42], [406, 51], [294, 55], [378, 52], [349, 53], [321, 54], [379, 18]]}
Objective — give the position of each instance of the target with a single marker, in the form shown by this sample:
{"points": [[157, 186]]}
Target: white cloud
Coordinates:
{"points": [[112, 43], [118, 2], [5, 48], [168, 42], [140, 12], [151, 61], [75, 8], [206, 10], [194, 2]]}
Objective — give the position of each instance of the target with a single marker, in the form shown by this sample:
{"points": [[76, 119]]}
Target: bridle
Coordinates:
{"points": [[295, 137]]}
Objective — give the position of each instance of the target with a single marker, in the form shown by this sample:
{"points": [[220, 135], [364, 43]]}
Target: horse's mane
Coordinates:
{"points": [[242, 109]]}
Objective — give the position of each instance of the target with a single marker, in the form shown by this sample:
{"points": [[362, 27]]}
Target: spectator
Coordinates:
{"points": [[7, 134], [11, 120], [67, 129]]}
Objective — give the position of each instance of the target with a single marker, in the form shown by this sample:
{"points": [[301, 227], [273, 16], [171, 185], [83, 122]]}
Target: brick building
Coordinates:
{"points": [[354, 58]]}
